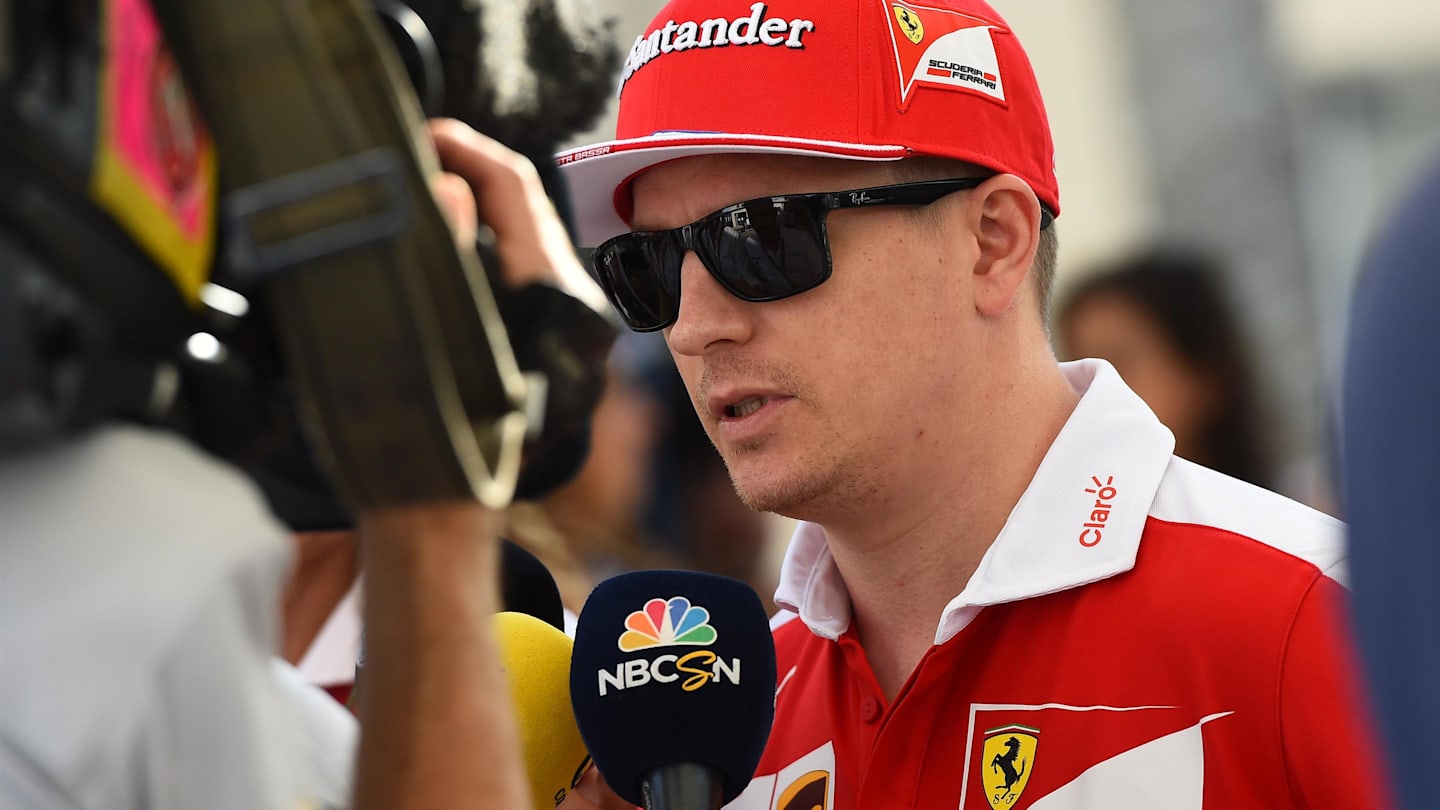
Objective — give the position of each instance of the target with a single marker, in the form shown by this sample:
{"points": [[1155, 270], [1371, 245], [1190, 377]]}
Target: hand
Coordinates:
{"points": [[529, 236], [593, 794], [457, 205]]}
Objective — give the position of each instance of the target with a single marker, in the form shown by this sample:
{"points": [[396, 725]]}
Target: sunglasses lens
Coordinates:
{"points": [[641, 275], [760, 251], [765, 251]]}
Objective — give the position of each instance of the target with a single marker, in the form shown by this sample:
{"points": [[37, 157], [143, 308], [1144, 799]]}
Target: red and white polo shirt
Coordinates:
{"points": [[1143, 633]]}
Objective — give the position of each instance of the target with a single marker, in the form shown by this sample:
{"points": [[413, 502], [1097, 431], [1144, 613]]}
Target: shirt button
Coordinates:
{"points": [[869, 709]]}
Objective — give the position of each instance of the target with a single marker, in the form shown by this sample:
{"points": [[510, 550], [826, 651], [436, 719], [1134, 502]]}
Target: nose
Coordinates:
{"points": [[708, 316]]}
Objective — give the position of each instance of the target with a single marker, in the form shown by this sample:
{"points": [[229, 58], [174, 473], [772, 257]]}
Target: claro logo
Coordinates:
{"points": [[672, 622], [1104, 492]]}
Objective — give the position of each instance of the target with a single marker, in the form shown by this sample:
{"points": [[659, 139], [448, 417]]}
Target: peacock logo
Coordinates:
{"points": [[672, 622], [667, 623]]}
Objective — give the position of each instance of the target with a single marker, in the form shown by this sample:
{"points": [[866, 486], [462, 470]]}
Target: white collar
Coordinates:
{"points": [[1111, 440]]}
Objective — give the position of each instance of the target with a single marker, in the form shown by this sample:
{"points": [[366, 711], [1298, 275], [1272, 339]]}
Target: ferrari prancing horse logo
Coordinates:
{"points": [[1006, 763], [910, 24]]}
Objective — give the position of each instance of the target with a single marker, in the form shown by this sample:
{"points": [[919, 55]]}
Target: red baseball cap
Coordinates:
{"points": [[857, 79]]}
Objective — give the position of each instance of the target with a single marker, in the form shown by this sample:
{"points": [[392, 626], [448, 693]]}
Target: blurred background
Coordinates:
{"points": [[1269, 136]]}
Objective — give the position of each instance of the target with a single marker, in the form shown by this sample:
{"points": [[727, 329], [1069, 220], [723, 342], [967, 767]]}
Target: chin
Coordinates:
{"points": [[766, 500], [782, 490]]}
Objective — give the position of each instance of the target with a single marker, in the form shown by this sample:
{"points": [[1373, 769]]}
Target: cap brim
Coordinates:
{"points": [[598, 175]]}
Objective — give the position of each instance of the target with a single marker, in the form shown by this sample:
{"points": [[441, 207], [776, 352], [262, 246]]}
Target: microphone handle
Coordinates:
{"points": [[683, 786]]}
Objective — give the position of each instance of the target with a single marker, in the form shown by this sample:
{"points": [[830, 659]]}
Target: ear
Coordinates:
{"points": [[1007, 234]]}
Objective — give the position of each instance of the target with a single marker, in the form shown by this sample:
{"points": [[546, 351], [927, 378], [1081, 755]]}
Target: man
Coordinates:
{"points": [[138, 606], [141, 575], [1392, 466], [529, 74], [1009, 592]]}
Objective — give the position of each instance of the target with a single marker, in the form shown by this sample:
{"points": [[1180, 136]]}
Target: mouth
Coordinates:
{"points": [[745, 407]]}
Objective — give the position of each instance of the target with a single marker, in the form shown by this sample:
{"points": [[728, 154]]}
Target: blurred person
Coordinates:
{"points": [[598, 515], [707, 523], [1163, 320], [141, 575], [1006, 589], [324, 598], [725, 536], [529, 75], [1391, 469]]}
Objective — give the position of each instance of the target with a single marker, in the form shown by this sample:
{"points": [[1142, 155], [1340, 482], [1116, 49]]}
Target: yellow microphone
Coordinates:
{"points": [[536, 657]]}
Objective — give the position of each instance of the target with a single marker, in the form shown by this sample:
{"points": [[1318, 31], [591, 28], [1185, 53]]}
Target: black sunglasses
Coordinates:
{"points": [[758, 250]]}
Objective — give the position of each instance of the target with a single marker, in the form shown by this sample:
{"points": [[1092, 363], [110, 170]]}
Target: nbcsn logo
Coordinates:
{"points": [[669, 623]]}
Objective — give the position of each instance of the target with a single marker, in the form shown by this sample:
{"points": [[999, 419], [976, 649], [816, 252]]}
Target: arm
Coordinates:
{"points": [[437, 725], [437, 728]]}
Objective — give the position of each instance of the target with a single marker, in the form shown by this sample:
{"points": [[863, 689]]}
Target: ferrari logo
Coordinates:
{"points": [[1006, 763], [909, 24]]}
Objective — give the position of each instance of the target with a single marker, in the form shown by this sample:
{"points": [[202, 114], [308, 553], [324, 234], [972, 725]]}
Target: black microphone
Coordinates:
{"points": [[673, 684], [526, 586]]}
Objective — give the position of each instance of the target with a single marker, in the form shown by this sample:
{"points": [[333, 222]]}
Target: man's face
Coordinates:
{"points": [[822, 401]]}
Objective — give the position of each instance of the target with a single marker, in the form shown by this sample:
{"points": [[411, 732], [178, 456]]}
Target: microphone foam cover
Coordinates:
{"points": [[673, 667], [536, 658]]}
